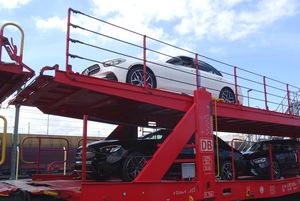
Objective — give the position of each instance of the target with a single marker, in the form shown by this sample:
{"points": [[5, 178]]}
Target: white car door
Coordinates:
{"points": [[180, 76]]}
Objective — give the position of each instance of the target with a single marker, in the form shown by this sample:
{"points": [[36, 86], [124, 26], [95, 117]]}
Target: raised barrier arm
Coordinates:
{"points": [[12, 49]]}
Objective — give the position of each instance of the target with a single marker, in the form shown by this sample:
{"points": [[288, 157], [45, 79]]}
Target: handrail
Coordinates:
{"points": [[18, 59], [3, 150], [40, 149], [267, 93]]}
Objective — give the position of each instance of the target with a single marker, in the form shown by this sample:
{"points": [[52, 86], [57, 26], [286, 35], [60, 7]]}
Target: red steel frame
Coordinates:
{"points": [[197, 119]]}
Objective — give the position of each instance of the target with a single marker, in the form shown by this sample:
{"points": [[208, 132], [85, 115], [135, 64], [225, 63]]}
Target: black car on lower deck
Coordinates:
{"points": [[284, 158], [125, 158]]}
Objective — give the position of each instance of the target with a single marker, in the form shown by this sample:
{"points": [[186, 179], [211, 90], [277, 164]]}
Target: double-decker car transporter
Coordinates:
{"points": [[70, 94]]}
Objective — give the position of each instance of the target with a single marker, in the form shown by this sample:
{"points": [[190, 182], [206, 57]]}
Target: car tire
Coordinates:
{"points": [[132, 165], [226, 170], [135, 76], [227, 95], [276, 170]]}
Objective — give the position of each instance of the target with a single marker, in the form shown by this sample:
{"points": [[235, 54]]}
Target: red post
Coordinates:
{"points": [[298, 155], [68, 68], [145, 58], [1, 43], [232, 159], [39, 156], [197, 71], [236, 86], [83, 165], [265, 93], [288, 98], [271, 162]]}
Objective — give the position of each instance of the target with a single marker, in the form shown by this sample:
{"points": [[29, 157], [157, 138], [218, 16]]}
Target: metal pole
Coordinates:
{"points": [[15, 144], [145, 58], [249, 90], [48, 125], [265, 93], [236, 86], [83, 153]]}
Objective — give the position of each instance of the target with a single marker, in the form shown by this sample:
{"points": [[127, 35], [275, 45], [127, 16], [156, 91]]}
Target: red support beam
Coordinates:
{"points": [[169, 149], [83, 153]]}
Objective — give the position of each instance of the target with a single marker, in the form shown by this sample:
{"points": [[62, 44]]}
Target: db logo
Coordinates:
{"points": [[206, 145]]}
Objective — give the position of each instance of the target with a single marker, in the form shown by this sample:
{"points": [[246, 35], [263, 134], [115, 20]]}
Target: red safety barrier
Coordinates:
{"points": [[42, 149], [267, 93]]}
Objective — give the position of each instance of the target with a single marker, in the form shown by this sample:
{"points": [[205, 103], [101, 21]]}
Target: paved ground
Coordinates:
{"points": [[295, 197]]}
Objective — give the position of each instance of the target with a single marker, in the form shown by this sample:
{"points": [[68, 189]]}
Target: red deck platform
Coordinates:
{"points": [[12, 77], [73, 95]]}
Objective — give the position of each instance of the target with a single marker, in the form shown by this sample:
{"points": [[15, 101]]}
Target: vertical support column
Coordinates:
{"points": [[265, 93], [271, 162], [39, 156], [204, 144], [83, 153], [236, 86], [144, 60], [15, 144], [288, 98], [197, 72], [1, 43]]}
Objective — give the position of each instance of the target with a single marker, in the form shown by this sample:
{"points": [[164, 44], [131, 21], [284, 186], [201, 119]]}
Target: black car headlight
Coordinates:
{"points": [[113, 62], [260, 160], [90, 155], [110, 148]]}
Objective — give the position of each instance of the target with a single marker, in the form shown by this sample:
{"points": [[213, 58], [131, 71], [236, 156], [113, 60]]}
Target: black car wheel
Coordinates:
{"points": [[276, 170], [132, 165], [135, 76], [227, 95], [226, 170]]}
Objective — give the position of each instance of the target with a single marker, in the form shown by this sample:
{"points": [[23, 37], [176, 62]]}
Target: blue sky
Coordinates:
{"points": [[262, 36]]}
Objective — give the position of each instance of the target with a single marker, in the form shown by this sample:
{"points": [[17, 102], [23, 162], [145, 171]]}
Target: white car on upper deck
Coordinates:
{"points": [[176, 74]]}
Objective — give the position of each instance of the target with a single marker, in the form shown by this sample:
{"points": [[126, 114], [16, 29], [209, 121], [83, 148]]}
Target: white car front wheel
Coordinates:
{"points": [[135, 76]]}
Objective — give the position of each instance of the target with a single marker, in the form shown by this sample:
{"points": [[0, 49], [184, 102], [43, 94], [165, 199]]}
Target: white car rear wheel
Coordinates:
{"points": [[227, 95]]}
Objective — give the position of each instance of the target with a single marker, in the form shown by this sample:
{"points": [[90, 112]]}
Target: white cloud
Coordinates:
{"points": [[232, 19], [51, 23], [170, 19], [12, 4]]}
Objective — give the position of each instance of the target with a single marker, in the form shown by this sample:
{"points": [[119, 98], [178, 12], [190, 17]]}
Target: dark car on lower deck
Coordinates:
{"points": [[284, 159], [125, 158]]}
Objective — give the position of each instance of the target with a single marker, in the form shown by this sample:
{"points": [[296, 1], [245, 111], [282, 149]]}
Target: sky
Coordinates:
{"points": [[261, 36]]}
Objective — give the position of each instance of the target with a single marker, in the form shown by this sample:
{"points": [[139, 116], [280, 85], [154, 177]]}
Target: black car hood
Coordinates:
{"points": [[101, 143], [255, 154]]}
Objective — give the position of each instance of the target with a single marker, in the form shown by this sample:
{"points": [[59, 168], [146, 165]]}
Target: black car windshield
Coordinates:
{"points": [[158, 135]]}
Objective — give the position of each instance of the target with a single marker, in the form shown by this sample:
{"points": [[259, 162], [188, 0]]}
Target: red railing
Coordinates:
{"points": [[266, 93], [40, 149]]}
